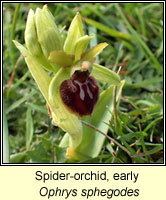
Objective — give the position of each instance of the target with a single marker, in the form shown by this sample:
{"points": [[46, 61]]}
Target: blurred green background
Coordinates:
{"points": [[134, 32]]}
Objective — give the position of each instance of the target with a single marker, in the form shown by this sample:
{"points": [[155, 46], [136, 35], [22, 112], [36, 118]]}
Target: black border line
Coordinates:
{"points": [[80, 164]]}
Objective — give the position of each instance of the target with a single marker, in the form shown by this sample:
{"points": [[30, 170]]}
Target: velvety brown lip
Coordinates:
{"points": [[80, 93]]}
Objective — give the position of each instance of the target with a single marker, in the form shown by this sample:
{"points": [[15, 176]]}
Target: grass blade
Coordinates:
{"points": [[29, 128], [19, 102], [139, 41], [5, 138], [108, 30], [12, 54]]}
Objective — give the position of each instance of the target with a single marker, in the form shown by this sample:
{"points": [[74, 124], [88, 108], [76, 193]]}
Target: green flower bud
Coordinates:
{"points": [[47, 31], [31, 40], [32, 43]]}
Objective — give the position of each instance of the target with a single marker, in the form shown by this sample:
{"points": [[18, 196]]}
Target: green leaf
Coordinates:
{"points": [[40, 154], [147, 82], [74, 33], [18, 102], [104, 74], [42, 151], [81, 45], [108, 30], [93, 52], [39, 108], [129, 136], [11, 30], [20, 157], [5, 138], [61, 58], [29, 128], [60, 154], [150, 152], [156, 98]]}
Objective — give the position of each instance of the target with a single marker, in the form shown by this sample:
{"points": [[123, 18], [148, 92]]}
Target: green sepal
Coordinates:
{"points": [[61, 116], [93, 52], [61, 58], [81, 45], [74, 33], [104, 74]]}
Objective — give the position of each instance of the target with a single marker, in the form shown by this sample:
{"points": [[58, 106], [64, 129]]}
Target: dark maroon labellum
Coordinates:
{"points": [[80, 93]]}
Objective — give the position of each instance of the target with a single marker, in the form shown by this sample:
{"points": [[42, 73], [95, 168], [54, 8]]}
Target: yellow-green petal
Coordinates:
{"points": [[93, 52], [61, 58], [81, 45]]}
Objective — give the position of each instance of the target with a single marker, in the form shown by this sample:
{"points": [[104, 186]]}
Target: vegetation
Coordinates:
{"points": [[134, 32]]}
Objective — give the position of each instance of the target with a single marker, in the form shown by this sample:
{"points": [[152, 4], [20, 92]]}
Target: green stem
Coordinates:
{"points": [[12, 54]]}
